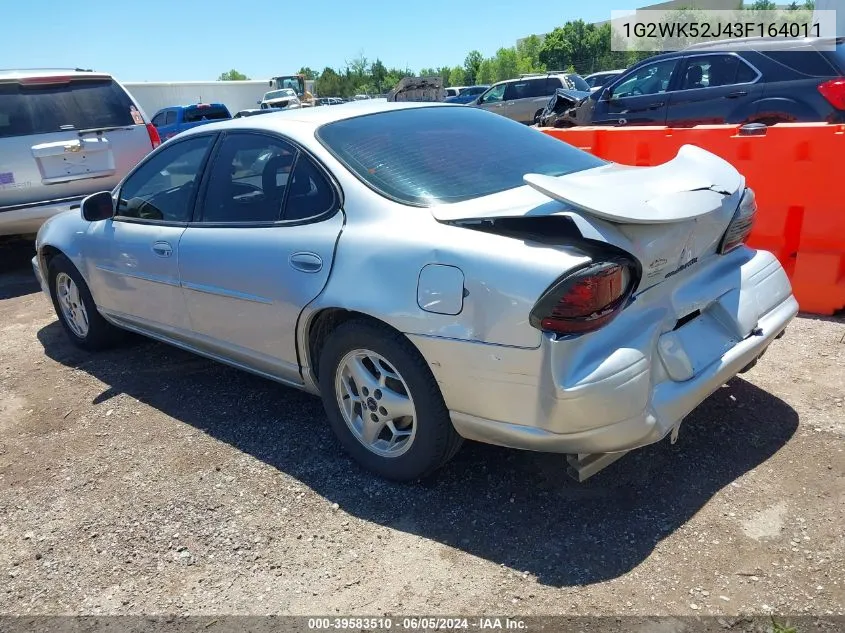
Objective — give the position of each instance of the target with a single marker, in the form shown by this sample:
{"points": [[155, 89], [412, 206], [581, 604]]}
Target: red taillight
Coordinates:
{"points": [[741, 224], [155, 139], [585, 300], [834, 92]]}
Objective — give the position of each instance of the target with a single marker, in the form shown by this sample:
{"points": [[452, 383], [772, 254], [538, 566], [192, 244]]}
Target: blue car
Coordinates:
{"points": [[467, 95], [170, 121]]}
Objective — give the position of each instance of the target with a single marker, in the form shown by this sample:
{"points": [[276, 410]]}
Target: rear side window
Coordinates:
{"points": [[837, 57], [578, 83], [170, 117], [803, 61], [209, 113], [710, 71], [427, 156], [516, 90], [538, 88], [248, 179], [75, 105]]}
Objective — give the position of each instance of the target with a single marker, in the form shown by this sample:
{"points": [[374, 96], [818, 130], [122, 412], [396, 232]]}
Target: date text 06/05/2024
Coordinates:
{"points": [[416, 624], [718, 30]]}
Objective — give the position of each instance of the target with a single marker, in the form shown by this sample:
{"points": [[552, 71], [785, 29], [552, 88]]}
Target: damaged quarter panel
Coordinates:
{"points": [[386, 255]]}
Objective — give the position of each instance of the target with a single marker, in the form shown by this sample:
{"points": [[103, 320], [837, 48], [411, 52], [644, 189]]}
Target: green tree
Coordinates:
{"points": [[763, 5], [232, 75], [486, 72], [506, 64], [329, 83], [576, 43], [556, 49], [394, 76], [444, 72], [308, 72], [358, 66], [472, 64], [457, 77], [378, 73], [528, 55]]}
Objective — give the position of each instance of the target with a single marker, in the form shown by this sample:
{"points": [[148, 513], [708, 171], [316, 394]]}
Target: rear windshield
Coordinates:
{"points": [[78, 105], [210, 113], [427, 156]]}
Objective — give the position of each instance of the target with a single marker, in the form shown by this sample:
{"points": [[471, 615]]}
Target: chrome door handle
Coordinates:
{"points": [[162, 249], [306, 262]]}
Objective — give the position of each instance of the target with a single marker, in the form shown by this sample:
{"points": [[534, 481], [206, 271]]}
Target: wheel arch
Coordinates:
{"points": [[316, 328]]}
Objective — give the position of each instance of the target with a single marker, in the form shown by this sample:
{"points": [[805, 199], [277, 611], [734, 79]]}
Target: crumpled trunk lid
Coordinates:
{"points": [[670, 216]]}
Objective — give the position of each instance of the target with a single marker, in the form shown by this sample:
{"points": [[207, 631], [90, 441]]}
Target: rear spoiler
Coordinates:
{"points": [[671, 192]]}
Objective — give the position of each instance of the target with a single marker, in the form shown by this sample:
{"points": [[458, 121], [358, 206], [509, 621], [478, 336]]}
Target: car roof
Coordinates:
{"points": [[763, 43], [315, 117], [12, 74]]}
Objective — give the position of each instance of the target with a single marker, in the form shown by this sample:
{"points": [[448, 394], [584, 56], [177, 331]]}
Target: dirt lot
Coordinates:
{"points": [[147, 480]]}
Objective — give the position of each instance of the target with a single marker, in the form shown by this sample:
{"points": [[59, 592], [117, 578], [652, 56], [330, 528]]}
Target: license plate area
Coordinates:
{"points": [[77, 159], [696, 344]]}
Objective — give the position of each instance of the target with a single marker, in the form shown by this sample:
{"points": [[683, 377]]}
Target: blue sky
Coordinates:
{"points": [[167, 40]]}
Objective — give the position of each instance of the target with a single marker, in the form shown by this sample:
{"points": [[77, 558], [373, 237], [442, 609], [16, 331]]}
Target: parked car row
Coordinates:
{"points": [[171, 121], [732, 82], [63, 132]]}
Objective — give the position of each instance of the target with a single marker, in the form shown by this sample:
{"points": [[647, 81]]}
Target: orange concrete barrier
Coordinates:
{"points": [[793, 170]]}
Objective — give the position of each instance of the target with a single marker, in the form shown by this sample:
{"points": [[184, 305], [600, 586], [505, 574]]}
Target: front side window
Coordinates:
{"points": [[647, 80], [428, 156], [248, 179], [496, 93], [164, 187]]}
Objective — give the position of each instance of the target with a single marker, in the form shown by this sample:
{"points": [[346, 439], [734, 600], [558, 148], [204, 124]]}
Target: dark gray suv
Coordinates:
{"points": [[740, 81]]}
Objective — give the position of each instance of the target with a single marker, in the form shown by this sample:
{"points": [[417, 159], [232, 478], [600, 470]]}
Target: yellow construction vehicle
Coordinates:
{"points": [[299, 86]]}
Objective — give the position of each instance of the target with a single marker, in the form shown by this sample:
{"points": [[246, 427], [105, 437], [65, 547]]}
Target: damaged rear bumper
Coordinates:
{"points": [[630, 384]]}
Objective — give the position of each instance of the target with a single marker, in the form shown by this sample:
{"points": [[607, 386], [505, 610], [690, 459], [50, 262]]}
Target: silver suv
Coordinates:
{"points": [[63, 135], [525, 98]]}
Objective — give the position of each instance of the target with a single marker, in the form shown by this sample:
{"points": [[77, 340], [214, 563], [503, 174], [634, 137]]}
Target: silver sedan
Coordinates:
{"points": [[434, 273]]}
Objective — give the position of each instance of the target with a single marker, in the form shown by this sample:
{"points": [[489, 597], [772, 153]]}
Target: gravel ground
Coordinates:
{"points": [[147, 480]]}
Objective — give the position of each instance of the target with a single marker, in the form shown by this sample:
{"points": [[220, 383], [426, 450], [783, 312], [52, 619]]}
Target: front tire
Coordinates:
{"points": [[75, 307], [383, 402]]}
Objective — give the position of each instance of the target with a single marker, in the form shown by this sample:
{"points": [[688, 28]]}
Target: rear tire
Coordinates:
{"points": [[75, 307], [383, 402]]}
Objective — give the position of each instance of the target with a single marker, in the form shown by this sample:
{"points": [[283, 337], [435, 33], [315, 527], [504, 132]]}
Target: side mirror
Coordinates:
{"points": [[98, 206]]}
